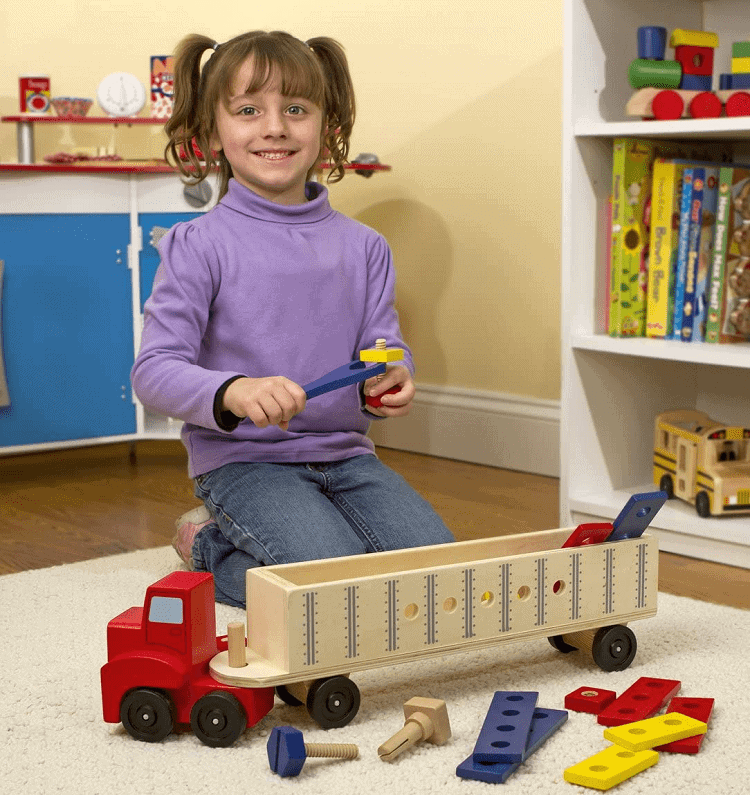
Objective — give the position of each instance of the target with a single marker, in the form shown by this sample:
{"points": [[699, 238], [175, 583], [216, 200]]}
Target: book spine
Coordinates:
{"points": [[716, 277], [660, 249], [682, 252], [614, 319], [705, 252], [691, 269]]}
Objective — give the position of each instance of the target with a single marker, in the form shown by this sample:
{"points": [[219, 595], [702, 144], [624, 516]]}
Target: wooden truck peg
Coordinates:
{"points": [[426, 719]]}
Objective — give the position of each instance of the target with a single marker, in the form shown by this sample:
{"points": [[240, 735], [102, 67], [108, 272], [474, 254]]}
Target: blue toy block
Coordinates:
{"points": [[637, 515], [652, 42], [544, 724], [347, 374], [286, 751], [505, 731], [732, 82], [695, 82]]}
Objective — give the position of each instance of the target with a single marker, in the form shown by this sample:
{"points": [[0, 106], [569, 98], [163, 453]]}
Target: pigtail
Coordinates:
{"points": [[186, 128], [339, 102]]}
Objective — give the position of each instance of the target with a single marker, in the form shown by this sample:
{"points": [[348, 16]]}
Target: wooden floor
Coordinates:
{"points": [[72, 505]]}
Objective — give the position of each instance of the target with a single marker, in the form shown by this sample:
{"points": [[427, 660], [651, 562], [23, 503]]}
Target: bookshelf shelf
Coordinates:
{"points": [[612, 389], [713, 129], [671, 350]]}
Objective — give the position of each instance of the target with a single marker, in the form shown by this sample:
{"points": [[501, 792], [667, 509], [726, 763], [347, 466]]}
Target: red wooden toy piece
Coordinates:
{"points": [[695, 60], [698, 708], [589, 533], [667, 106], [589, 699], [738, 104], [640, 701], [375, 400], [705, 106]]}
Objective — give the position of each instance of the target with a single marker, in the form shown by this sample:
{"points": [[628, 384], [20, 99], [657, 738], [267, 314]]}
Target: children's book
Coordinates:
{"points": [[705, 251], [631, 173], [681, 264], [685, 323], [666, 201], [607, 253], [729, 298]]}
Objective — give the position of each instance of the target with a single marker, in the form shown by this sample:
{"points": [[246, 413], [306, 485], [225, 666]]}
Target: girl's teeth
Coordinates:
{"points": [[273, 155]]}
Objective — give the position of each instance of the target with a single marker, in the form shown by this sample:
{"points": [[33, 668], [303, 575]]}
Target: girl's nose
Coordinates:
{"points": [[275, 124]]}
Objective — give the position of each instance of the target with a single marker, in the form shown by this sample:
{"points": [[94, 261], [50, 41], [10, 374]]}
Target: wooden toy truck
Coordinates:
{"points": [[703, 461], [311, 624]]}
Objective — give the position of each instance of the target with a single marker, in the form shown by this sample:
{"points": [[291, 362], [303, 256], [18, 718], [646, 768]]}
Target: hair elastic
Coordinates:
{"points": [[216, 46]]}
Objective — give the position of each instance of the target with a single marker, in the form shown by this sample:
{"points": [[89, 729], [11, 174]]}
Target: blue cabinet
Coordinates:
{"points": [[67, 328]]}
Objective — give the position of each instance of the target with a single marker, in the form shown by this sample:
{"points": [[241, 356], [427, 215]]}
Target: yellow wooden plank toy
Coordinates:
{"points": [[610, 767], [649, 733]]}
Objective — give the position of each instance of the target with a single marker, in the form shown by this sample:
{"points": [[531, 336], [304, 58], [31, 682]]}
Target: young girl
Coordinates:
{"points": [[269, 290]]}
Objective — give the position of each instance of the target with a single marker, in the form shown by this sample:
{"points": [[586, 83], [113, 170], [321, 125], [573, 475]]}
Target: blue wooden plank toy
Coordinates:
{"points": [[545, 723], [505, 731], [637, 515], [347, 374]]}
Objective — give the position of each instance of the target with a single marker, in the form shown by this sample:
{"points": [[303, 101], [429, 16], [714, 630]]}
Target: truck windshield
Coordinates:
{"points": [[165, 610], [735, 450]]}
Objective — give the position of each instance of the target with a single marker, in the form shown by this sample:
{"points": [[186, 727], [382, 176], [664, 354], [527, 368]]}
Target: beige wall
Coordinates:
{"points": [[463, 99]]}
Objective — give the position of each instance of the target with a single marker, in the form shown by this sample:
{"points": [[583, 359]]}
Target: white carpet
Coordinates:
{"points": [[53, 739]]}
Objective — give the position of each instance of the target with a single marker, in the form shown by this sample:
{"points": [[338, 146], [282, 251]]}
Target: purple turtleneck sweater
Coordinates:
{"points": [[258, 289]]}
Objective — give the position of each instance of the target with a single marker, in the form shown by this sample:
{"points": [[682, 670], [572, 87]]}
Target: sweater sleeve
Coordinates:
{"points": [[380, 317], [167, 376]]}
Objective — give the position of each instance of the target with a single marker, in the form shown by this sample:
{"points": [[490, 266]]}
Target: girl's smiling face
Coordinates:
{"points": [[270, 140]]}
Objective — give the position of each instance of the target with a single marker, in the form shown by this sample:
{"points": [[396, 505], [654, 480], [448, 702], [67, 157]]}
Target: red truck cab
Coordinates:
{"points": [[157, 675]]}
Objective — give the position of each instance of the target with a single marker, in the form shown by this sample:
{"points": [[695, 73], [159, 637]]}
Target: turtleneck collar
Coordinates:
{"points": [[245, 201]]}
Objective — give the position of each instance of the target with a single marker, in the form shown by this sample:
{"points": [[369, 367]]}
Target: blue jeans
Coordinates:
{"points": [[284, 513]]}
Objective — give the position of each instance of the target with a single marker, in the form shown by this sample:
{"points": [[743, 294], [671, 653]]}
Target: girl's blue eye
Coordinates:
{"points": [[296, 110], [248, 111]]}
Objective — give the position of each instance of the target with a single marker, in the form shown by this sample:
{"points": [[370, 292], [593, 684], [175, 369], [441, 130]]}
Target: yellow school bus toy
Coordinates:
{"points": [[703, 461]]}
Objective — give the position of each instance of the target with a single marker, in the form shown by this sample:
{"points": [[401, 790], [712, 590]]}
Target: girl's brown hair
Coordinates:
{"points": [[316, 70]]}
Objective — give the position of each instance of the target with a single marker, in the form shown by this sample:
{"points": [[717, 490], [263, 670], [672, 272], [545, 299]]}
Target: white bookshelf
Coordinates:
{"points": [[612, 389]]}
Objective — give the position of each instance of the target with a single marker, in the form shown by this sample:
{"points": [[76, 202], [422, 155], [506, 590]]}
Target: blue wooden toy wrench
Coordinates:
{"points": [[347, 374]]}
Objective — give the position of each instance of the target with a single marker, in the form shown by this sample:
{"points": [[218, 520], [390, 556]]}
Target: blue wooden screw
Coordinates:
{"points": [[287, 751]]}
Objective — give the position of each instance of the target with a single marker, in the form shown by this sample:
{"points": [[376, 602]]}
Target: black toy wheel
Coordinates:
{"points": [[333, 702], [218, 719], [283, 693], [703, 504], [666, 484], [557, 642], [614, 648], [147, 715]]}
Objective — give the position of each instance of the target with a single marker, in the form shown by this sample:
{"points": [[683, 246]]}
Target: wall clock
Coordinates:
{"points": [[121, 94]]}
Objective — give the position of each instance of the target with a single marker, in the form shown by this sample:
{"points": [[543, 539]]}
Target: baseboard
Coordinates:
{"points": [[490, 428]]}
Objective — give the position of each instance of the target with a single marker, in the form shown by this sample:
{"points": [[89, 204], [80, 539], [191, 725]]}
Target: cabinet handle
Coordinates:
{"points": [[4, 394]]}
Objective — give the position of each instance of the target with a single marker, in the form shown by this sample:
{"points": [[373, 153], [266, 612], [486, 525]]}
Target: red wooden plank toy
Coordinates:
{"points": [[589, 533], [640, 701], [698, 708]]}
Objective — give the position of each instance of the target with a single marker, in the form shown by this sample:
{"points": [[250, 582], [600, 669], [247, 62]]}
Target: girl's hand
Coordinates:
{"points": [[265, 401], [398, 404]]}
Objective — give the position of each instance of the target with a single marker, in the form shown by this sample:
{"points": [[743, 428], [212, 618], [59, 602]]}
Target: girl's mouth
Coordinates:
{"points": [[274, 154]]}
